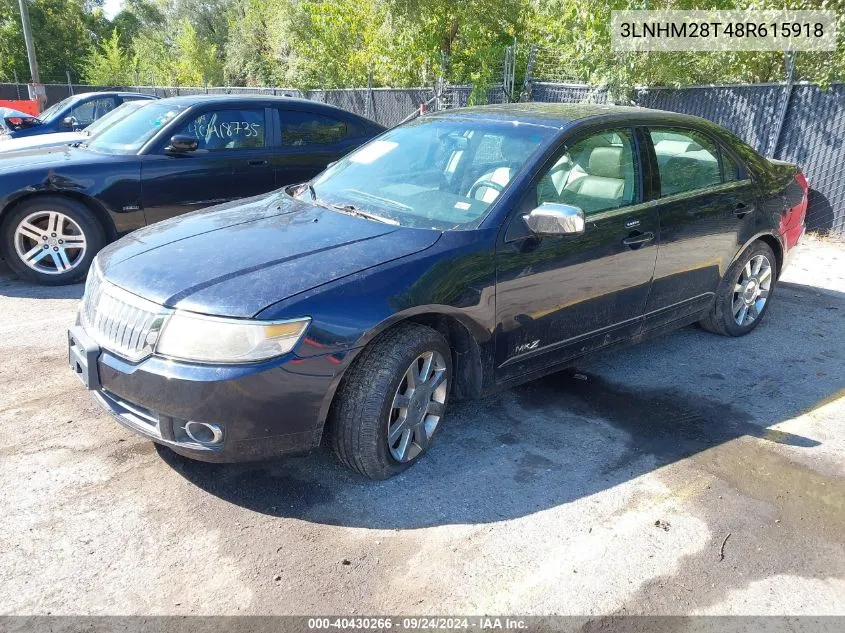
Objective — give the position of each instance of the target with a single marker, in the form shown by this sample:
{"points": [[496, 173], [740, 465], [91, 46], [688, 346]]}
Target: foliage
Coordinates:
{"points": [[347, 43], [109, 65], [64, 33]]}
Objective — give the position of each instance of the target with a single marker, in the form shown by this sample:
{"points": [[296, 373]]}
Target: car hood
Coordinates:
{"points": [[237, 259], [41, 141], [47, 158]]}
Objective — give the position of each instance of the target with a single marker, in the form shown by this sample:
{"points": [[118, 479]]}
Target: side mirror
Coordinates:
{"points": [[182, 144], [552, 218], [69, 122]]}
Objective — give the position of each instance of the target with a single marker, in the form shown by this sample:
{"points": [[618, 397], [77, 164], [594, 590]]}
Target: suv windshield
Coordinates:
{"points": [[129, 135], [431, 173]]}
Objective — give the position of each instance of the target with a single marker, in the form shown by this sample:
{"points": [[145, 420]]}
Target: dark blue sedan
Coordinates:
{"points": [[74, 113], [451, 256], [59, 206]]}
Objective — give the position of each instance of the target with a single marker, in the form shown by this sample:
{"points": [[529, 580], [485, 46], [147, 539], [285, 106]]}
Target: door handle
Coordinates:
{"points": [[258, 162], [638, 239]]}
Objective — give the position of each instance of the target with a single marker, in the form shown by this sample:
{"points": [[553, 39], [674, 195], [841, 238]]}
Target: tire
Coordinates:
{"points": [[723, 318], [44, 221], [364, 411]]}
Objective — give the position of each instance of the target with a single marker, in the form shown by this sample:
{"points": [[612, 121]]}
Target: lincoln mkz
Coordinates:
{"points": [[457, 254]]}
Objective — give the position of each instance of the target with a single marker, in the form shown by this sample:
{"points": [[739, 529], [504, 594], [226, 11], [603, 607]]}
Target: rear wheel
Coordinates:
{"points": [[392, 401], [744, 294], [51, 240]]}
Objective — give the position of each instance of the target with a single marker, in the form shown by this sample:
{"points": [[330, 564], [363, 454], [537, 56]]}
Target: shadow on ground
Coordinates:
{"points": [[11, 286], [573, 433]]}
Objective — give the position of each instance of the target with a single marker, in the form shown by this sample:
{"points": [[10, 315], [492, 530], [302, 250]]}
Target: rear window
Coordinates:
{"points": [[686, 160], [301, 129]]}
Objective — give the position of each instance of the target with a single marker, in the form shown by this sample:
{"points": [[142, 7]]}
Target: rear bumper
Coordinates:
{"points": [[263, 410], [791, 238]]}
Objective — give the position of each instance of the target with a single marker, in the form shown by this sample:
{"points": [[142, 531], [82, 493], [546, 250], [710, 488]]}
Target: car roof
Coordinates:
{"points": [[563, 115], [107, 93], [316, 106]]}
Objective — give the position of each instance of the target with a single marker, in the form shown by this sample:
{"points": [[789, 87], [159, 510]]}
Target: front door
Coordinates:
{"points": [[562, 296], [231, 161]]}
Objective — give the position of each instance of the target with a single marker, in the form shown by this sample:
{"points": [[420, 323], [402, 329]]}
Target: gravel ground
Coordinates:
{"points": [[612, 494]]}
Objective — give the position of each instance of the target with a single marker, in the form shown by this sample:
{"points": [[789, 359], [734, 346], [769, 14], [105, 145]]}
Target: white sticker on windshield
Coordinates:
{"points": [[372, 152], [463, 206]]}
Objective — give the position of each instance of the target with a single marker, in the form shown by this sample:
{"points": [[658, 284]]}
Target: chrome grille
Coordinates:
{"points": [[119, 321]]}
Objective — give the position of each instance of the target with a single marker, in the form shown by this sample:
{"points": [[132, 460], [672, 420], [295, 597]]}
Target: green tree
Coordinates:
{"points": [[60, 30], [109, 64], [196, 59], [257, 52]]}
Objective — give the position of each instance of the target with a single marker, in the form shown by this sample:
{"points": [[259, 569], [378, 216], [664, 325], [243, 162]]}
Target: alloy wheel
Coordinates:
{"points": [[752, 290], [50, 242], [418, 405]]}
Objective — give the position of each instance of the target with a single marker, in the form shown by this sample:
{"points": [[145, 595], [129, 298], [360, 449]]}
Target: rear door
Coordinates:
{"points": [[309, 141], [703, 195], [232, 161], [558, 297]]}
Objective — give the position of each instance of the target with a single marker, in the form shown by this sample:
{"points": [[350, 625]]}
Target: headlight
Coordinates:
{"points": [[205, 339]]}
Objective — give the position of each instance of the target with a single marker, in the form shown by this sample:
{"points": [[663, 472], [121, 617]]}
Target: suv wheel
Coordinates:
{"points": [[392, 401]]}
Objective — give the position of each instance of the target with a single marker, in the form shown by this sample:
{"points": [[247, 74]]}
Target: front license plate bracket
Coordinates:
{"points": [[82, 354]]}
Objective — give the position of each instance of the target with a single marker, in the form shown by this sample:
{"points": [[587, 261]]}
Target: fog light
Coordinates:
{"points": [[204, 433]]}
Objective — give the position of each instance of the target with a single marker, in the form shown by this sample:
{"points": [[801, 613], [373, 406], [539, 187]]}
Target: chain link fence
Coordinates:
{"points": [[799, 123], [387, 106], [568, 93]]}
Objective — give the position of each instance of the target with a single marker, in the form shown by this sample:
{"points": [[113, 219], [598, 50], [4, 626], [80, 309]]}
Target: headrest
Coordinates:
{"points": [[517, 148], [669, 147], [606, 162]]}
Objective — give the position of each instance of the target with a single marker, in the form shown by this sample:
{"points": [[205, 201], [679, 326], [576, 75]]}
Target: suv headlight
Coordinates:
{"points": [[195, 337]]}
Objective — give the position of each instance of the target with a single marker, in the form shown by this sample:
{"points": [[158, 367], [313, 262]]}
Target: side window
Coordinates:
{"points": [[86, 113], [306, 128], [730, 168], [596, 174], [686, 160], [222, 130]]}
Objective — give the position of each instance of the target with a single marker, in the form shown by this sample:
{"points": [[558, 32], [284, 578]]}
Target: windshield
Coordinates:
{"points": [[431, 173], [51, 111], [129, 134], [109, 119]]}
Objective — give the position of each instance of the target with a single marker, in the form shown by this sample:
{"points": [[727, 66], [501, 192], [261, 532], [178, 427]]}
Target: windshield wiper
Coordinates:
{"points": [[351, 209]]}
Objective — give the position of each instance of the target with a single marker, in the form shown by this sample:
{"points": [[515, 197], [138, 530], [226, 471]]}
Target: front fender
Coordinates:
{"points": [[449, 279]]}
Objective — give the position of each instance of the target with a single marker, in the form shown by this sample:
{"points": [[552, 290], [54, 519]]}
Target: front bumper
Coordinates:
{"points": [[264, 409]]}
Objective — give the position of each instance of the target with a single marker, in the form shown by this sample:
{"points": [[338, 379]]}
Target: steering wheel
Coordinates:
{"points": [[485, 183]]}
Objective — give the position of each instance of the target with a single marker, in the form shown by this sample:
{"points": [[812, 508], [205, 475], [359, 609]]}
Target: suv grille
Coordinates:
{"points": [[120, 321]]}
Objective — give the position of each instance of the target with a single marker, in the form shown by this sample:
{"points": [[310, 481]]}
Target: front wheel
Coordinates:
{"points": [[51, 240], [392, 401], [744, 294]]}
